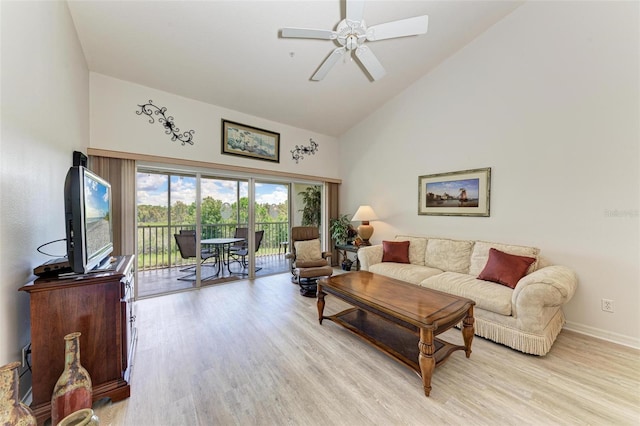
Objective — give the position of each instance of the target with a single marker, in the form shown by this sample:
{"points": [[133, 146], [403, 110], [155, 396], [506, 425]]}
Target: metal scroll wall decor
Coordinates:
{"points": [[300, 150], [149, 109]]}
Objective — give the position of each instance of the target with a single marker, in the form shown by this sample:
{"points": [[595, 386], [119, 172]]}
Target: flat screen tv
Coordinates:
{"points": [[87, 202]]}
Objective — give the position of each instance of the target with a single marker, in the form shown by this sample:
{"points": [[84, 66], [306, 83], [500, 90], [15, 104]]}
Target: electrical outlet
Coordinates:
{"points": [[607, 305], [24, 355]]}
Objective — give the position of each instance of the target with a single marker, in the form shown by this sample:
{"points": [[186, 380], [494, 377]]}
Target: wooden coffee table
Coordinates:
{"points": [[399, 318]]}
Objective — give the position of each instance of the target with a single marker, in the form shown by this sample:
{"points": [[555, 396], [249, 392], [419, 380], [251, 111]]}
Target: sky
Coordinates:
{"points": [[96, 199], [152, 190]]}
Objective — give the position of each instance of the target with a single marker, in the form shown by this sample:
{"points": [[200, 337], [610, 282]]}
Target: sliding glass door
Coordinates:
{"points": [[170, 204], [165, 208], [272, 219]]}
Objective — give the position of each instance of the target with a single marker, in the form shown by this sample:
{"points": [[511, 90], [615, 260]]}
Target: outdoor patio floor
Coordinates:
{"points": [[154, 282]]}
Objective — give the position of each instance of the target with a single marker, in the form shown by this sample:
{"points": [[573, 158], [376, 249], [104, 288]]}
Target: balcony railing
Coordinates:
{"points": [[157, 246]]}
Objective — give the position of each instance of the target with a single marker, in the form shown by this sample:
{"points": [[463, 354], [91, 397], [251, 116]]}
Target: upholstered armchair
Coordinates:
{"points": [[307, 260]]}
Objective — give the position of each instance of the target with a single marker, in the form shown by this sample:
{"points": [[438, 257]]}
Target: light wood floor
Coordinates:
{"points": [[253, 353]]}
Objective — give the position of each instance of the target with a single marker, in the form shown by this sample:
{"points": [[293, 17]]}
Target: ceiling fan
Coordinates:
{"points": [[352, 33]]}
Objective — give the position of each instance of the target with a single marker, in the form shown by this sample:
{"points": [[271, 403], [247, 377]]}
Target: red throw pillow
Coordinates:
{"points": [[504, 268], [395, 251]]}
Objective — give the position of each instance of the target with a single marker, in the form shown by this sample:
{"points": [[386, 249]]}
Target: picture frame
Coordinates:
{"points": [[250, 142], [461, 193]]}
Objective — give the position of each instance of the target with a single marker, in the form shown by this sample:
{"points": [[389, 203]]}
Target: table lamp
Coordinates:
{"points": [[365, 231]]}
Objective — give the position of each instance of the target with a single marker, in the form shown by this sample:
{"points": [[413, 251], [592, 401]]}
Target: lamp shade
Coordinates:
{"points": [[364, 214]]}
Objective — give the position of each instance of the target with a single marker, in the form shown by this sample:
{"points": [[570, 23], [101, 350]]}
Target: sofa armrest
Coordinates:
{"points": [[326, 254], [369, 255], [549, 286]]}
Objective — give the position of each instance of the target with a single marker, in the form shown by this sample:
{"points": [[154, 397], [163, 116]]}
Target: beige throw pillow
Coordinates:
{"points": [[308, 250]]}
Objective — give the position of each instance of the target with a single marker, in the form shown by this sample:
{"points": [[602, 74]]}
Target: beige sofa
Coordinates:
{"points": [[527, 318]]}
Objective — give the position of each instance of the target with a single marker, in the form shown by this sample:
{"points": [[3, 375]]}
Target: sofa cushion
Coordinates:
{"points": [[407, 272], [487, 295], [480, 255], [395, 251], [449, 255], [416, 248], [504, 268]]}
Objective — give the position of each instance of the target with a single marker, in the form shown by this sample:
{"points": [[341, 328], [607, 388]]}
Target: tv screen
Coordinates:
{"points": [[88, 219]]}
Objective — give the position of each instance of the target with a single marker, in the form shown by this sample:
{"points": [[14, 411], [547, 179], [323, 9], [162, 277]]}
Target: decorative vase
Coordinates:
{"points": [[72, 391], [12, 411], [84, 417]]}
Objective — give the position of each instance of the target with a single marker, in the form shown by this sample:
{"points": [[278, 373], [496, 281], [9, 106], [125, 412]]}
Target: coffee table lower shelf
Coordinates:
{"points": [[397, 341]]}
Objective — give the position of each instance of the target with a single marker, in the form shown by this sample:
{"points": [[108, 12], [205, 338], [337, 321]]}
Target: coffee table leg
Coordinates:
{"points": [[425, 359], [320, 303], [467, 331]]}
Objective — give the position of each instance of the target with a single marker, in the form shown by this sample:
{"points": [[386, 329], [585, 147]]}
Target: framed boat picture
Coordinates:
{"points": [[463, 193], [251, 142]]}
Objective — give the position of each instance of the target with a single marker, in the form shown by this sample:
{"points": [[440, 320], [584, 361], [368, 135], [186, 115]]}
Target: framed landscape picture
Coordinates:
{"points": [[463, 193], [246, 141]]}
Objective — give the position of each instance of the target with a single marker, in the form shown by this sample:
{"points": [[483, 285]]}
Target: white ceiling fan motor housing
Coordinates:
{"points": [[351, 34]]}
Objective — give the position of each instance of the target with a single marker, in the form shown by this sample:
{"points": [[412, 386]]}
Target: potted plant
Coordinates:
{"points": [[340, 229]]}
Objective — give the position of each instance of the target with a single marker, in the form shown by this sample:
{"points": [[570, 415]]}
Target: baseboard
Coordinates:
{"points": [[599, 333]]}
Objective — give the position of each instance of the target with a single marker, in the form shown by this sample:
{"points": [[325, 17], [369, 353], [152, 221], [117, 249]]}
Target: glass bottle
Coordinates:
{"points": [[12, 411], [72, 391]]}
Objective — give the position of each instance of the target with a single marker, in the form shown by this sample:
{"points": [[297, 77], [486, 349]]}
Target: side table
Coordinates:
{"points": [[344, 248]]}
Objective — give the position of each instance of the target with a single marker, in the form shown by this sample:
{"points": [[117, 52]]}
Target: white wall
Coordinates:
{"points": [[45, 117], [116, 126], [549, 99]]}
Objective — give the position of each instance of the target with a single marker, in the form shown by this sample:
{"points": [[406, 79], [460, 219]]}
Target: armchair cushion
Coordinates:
{"points": [[308, 250], [311, 263]]}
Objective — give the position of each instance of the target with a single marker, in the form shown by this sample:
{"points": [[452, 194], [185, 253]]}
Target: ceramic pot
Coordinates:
{"points": [[72, 391], [84, 417], [12, 411]]}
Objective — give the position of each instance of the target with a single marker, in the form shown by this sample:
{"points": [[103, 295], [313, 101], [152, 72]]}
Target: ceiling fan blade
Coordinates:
{"points": [[355, 10], [328, 64], [401, 28], [370, 62], [308, 33]]}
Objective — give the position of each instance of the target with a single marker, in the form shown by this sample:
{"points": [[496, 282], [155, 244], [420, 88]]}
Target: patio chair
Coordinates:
{"points": [[240, 233], [307, 261], [239, 253], [186, 243]]}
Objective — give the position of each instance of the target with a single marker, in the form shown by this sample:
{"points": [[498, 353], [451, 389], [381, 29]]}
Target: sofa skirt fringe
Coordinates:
{"points": [[536, 344]]}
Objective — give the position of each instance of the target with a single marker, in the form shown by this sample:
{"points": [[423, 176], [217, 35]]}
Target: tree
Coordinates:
{"points": [[210, 211], [180, 213]]}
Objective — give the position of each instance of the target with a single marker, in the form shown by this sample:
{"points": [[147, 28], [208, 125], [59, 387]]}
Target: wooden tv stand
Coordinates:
{"points": [[100, 306]]}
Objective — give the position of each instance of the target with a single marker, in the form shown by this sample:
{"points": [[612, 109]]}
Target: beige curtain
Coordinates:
{"points": [[334, 209], [121, 174]]}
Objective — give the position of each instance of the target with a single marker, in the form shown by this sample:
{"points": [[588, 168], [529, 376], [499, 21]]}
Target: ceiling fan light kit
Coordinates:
{"points": [[351, 33]]}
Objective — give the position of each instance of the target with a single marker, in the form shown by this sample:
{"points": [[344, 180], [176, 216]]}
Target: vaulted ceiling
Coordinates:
{"points": [[230, 53]]}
